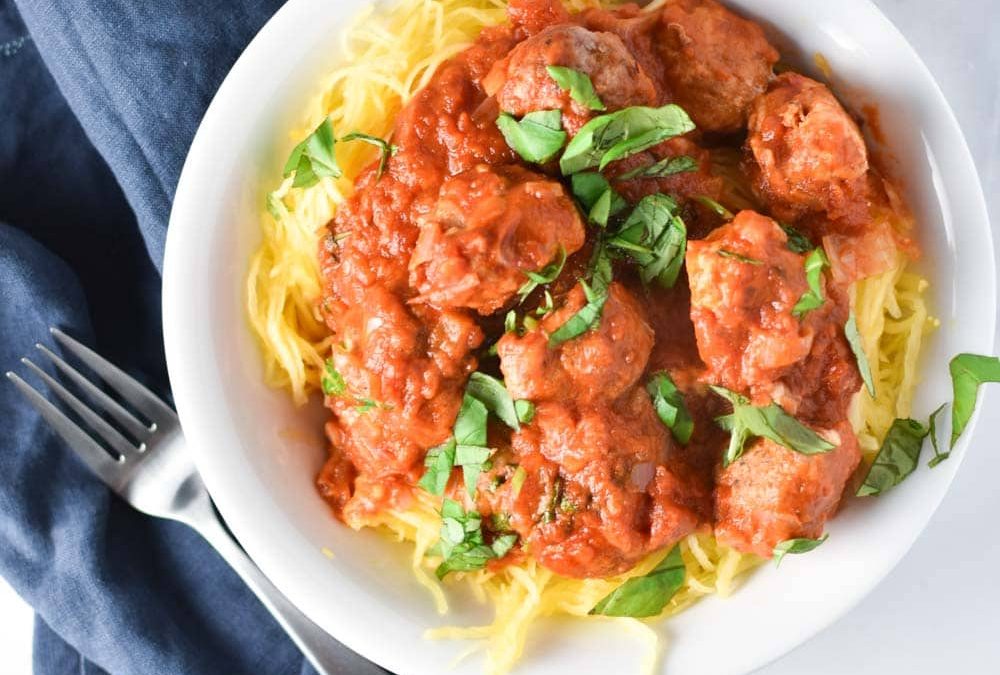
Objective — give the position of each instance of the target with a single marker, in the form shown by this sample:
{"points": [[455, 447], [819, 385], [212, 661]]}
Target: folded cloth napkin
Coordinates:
{"points": [[99, 101]]}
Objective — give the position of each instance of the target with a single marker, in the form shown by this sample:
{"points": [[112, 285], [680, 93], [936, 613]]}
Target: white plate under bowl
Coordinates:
{"points": [[259, 454]]}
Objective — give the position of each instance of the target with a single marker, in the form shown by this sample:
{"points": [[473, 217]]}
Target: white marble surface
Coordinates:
{"points": [[939, 611]]}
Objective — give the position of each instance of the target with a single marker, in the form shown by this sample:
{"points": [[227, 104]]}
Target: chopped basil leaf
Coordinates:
{"points": [[588, 187], [314, 158], [670, 407], [581, 89], [275, 206], [503, 544], [656, 238], [896, 459], [646, 595], [439, 462], [857, 346], [332, 381], [537, 137], [462, 545], [525, 410], [770, 421], [968, 371], [495, 397], [589, 315], [517, 480], [932, 432], [715, 206], [813, 298], [796, 546], [472, 459], [546, 275], [363, 404], [665, 167], [510, 322], [547, 306], [385, 149], [620, 134], [470, 425], [726, 253], [797, 242], [607, 205]]}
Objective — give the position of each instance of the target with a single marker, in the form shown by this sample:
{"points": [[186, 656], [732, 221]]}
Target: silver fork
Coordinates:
{"points": [[155, 475]]}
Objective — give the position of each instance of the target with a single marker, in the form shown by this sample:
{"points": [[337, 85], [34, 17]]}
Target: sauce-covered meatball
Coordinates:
{"points": [[810, 154], [522, 84], [489, 227], [771, 493], [716, 63]]}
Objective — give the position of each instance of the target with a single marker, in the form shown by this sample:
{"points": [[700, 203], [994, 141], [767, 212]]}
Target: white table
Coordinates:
{"points": [[939, 611]]}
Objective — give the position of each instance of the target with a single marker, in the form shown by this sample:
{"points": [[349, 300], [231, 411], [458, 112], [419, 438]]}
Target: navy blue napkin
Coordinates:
{"points": [[99, 101]]}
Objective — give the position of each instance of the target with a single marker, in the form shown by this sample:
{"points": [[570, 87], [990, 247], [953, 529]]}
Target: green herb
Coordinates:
{"points": [[517, 480], [525, 410], [474, 460], [968, 371], [715, 206], [796, 546], [545, 307], [438, 463], [589, 315], [932, 432], [363, 404], [581, 89], [857, 346], [646, 595], [462, 545], [546, 275], [275, 206], [670, 407], [797, 242], [386, 150], [510, 322], [896, 459], [656, 238], [537, 137], [619, 134], [770, 421], [813, 298], [314, 158], [492, 392], [332, 381], [665, 167], [598, 199], [726, 253]]}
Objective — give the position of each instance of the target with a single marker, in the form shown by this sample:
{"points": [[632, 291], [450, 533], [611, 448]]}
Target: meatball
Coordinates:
{"points": [[810, 154], [601, 364], [716, 63], [598, 492], [771, 493], [489, 227], [522, 84]]}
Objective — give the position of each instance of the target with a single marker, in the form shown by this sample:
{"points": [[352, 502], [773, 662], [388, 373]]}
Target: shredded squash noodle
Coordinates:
{"points": [[386, 57]]}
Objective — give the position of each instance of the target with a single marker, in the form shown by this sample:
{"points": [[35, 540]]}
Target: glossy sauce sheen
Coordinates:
{"points": [[421, 264]]}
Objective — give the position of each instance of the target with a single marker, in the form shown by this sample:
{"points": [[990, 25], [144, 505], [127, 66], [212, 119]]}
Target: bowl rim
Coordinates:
{"points": [[193, 399]]}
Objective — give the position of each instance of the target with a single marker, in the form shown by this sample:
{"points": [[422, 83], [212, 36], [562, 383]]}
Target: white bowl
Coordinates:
{"points": [[259, 454]]}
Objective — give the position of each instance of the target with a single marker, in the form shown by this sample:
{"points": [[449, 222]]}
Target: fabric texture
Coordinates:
{"points": [[99, 101]]}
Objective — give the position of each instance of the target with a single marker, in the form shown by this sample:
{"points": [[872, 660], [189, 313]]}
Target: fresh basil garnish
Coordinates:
{"points": [[797, 242], [932, 432], [494, 395], [386, 150], [525, 410], [796, 546], [462, 545], [770, 421], [812, 298], [537, 137], [656, 238], [968, 371], [546, 275], [665, 167], [646, 595], [473, 459], [598, 199], [896, 459], [606, 138], [314, 157], [331, 380], [517, 480], [726, 253], [670, 408], [715, 206], [853, 336], [438, 464], [579, 85], [596, 293]]}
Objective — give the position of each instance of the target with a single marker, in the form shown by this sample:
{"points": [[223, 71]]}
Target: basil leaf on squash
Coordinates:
{"points": [[461, 542], [812, 298], [647, 595], [579, 85], [386, 150], [314, 158], [656, 238], [665, 167], [537, 137], [670, 408], [596, 293], [896, 459], [932, 432], [438, 463], [796, 546], [620, 134], [968, 371], [858, 348]]}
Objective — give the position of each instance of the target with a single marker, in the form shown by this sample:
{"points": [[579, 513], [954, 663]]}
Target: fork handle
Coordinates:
{"points": [[326, 655]]}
